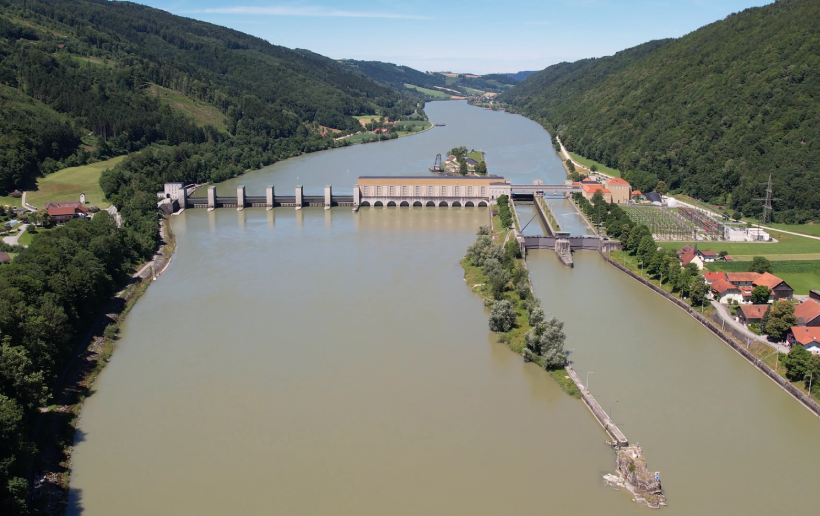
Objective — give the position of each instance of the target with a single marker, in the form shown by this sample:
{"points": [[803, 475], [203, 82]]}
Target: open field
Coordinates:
{"points": [[601, 168], [788, 247], [69, 183], [201, 112], [432, 93], [806, 229], [27, 237], [476, 155]]}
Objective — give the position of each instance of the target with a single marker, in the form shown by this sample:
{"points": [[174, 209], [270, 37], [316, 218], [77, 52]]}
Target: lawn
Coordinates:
{"points": [[432, 93], [788, 247], [69, 183], [601, 168], [6, 200], [476, 155], [27, 237], [201, 112]]}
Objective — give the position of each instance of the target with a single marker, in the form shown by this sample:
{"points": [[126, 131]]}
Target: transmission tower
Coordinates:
{"points": [[767, 203]]}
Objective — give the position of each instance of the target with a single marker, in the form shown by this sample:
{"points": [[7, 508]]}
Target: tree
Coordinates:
{"points": [[502, 316], [781, 319], [661, 188], [594, 168], [570, 165], [797, 362], [723, 255], [481, 169], [698, 292], [552, 344], [737, 215], [760, 264], [760, 295]]}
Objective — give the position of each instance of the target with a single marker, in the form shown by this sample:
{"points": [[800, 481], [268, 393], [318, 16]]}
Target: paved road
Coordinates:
{"points": [[12, 240], [723, 312]]}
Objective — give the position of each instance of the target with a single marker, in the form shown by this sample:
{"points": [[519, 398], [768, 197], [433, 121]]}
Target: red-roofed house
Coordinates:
{"points": [[707, 256], [685, 248], [637, 194], [589, 190], [808, 313], [725, 292], [691, 257], [621, 190], [741, 279], [728, 258], [780, 289], [809, 338], [61, 215], [751, 314], [711, 277]]}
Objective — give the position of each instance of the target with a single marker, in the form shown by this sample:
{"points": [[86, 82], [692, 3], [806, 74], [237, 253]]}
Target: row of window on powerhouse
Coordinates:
{"points": [[432, 191]]}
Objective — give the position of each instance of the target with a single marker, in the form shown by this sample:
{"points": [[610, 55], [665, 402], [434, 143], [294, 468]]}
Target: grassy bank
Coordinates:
{"points": [[599, 166], [67, 185]]}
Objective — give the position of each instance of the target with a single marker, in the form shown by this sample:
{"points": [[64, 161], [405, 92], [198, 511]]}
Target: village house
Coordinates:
{"points": [[742, 279], [780, 289], [808, 312], [620, 189], [589, 190], [726, 293], [809, 338], [708, 256], [711, 277], [691, 256], [63, 214], [751, 314]]}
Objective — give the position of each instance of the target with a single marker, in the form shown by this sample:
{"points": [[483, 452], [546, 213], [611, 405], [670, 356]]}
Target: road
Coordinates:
{"points": [[723, 312], [578, 165], [12, 240]]}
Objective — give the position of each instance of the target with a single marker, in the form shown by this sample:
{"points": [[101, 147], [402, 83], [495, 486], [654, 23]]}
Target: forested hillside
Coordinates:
{"points": [[90, 64], [78, 80], [712, 113], [398, 75]]}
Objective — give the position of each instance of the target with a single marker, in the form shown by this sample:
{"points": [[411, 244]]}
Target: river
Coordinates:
{"points": [[326, 362]]}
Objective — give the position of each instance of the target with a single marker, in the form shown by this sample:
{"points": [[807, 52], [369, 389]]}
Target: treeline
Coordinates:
{"points": [[398, 75], [711, 114], [49, 297], [81, 71], [637, 241], [509, 288]]}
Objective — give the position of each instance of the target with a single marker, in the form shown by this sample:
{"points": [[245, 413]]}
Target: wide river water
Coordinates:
{"points": [[330, 362]]}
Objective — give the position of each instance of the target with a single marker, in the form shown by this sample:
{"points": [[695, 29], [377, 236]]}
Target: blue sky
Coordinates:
{"points": [[479, 36]]}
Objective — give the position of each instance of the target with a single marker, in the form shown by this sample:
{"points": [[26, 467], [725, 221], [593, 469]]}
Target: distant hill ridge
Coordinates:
{"points": [[712, 113]]}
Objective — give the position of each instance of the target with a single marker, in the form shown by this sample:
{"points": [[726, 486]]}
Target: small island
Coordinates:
{"points": [[466, 163]]}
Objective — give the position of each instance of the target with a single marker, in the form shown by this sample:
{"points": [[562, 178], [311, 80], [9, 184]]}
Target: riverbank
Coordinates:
{"points": [[56, 430], [743, 349]]}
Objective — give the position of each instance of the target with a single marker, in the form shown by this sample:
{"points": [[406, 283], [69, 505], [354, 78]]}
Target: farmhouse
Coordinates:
{"points": [[62, 215], [751, 314], [809, 338], [724, 292], [808, 313], [691, 256], [780, 289], [707, 256]]}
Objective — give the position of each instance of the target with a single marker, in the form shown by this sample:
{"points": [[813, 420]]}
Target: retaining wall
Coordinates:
{"points": [[737, 346]]}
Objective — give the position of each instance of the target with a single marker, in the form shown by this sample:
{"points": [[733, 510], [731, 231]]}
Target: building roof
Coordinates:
{"points": [[589, 181], [471, 161], [636, 192], [653, 196], [741, 277], [707, 253], [687, 257], [753, 311], [4, 257], [592, 188], [728, 258], [769, 280], [714, 276], [808, 310], [64, 204], [721, 285], [57, 212], [617, 181], [685, 248], [806, 335]]}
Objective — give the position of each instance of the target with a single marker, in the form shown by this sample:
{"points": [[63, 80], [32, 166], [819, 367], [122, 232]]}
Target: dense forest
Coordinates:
{"points": [[398, 75], [77, 84], [80, 72], [711, 114]]}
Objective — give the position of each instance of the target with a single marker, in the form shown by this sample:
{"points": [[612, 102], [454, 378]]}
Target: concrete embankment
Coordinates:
{"points": [[544, 216], [796, 393]]}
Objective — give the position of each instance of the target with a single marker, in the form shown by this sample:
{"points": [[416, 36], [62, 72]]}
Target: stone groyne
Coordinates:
{"points": [[618, 437], [796, 393]]}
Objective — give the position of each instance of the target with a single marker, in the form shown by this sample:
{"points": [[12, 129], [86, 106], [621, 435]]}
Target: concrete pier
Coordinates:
{"points": [[618, 438], [328, 196], [211, 197], [270, 197], [299, 199], [240, 198]]}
